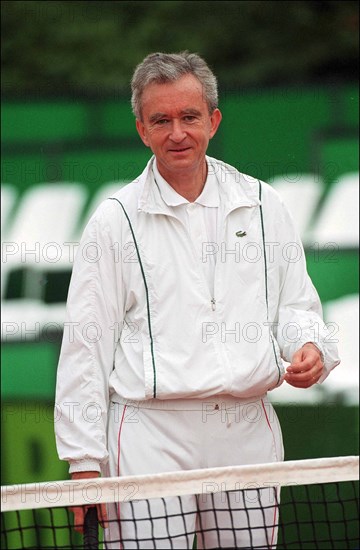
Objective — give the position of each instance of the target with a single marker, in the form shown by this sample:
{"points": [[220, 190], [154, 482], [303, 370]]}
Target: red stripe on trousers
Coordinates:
{"points": [[118, 470], [275, 511]]}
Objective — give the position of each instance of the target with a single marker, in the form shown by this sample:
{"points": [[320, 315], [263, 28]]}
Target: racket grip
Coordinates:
{"points": [[91, 529]]}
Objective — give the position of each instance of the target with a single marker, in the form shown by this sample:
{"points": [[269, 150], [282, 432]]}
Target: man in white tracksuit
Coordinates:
{"points": [[188, 289]]}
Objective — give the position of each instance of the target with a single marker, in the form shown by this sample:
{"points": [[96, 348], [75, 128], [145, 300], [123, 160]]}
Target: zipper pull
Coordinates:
{"points": [[213, 304]]}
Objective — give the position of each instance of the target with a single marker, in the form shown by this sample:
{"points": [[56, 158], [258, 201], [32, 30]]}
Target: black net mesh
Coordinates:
{"points": [[297, 517]]}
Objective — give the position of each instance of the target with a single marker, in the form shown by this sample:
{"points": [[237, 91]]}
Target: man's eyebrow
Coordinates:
{"points": [[194, 112], [157, 116]]}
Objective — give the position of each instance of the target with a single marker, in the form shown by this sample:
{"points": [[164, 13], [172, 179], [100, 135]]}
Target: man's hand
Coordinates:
{"points": [[306, 367], [80, 511]]}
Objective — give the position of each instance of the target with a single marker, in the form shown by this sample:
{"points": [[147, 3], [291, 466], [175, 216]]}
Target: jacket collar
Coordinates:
{"points": [[235, 189]]}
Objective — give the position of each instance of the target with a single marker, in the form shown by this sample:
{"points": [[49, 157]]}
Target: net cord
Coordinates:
{"points": [[202, 481]]}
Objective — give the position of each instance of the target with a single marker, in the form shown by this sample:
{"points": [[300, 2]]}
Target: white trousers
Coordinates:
{"points": [[162, 436]]}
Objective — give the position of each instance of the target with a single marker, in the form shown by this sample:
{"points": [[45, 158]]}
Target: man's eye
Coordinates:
{"points": [[161, 121], [189, 118]]}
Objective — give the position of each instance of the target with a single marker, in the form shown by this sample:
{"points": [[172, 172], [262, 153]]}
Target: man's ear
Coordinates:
{"points": [[215, 119], [142, 132]]}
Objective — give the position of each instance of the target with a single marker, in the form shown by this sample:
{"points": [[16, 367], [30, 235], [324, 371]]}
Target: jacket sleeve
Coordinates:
{"points": [[299, 311], [94, 315]]}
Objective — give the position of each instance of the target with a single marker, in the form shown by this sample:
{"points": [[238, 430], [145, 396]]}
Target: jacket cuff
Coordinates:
{"points": [[84, 466]]}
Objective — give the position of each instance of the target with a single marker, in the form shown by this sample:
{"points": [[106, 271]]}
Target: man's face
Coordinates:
{"points": [[177, 126]]}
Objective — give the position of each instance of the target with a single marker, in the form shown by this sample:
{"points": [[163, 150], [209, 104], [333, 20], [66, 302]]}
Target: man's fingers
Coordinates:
{"points": [[305, 384], [300, 367], [80, 512], [102, 515], [304, 359], [297, 357], [303, 375], [303, 363], [304, 379], [79, 516]]}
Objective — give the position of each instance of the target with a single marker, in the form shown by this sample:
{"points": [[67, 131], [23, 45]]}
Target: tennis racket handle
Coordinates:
{"points": [[91, 529]]}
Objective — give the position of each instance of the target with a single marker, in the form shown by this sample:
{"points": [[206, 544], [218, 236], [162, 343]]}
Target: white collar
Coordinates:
{"points": [[209, 196], [235, 189]]}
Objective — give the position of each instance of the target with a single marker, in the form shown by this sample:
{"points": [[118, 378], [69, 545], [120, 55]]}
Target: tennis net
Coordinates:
{"points": [[232, 507]]}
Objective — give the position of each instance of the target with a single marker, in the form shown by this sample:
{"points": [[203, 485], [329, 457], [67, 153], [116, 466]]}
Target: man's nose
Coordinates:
{"points": [[177, 132]]}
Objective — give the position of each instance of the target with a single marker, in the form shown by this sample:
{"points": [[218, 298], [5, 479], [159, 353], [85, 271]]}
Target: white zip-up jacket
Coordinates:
{"points": [[142, 323]]}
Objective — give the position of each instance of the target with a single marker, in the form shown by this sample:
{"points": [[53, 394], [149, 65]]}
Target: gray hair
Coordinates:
{"points": [[167, 67]]}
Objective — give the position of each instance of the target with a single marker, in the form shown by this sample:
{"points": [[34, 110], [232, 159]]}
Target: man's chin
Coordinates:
{"points": [[179, 165]]}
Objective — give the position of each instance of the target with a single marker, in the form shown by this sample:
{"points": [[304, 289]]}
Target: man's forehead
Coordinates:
{"points": [[182, 95]]}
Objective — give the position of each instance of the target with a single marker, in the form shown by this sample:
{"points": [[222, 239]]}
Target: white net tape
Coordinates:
{"points": [[203, 481]]}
